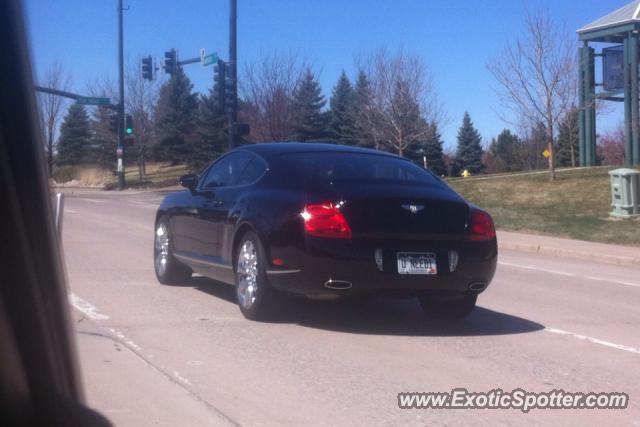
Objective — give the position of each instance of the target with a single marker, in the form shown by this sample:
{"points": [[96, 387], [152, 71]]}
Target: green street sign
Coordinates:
{"points": [[91, 100], [210, 59]]}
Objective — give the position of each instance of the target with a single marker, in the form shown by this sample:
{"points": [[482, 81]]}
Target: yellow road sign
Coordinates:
{"points": [[546, 153]]}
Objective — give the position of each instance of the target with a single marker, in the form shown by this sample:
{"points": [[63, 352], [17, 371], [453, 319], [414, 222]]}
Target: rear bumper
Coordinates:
{"points": [[324, 265]]}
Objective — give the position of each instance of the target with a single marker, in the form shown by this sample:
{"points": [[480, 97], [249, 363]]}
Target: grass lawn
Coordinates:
{"points": [[157, 174], [576, 205], [162, 174]]}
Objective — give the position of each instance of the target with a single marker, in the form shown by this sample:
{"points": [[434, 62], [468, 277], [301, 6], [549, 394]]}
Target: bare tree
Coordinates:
{"points": [[403, 99], [268, 88], [104, 87], [141, 100], [536, 76], [52, 106]]}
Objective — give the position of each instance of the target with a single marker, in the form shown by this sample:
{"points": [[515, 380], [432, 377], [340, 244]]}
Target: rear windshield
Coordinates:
{"points": [[337, 167]]}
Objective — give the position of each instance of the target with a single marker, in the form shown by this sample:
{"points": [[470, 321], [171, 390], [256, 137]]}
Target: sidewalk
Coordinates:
{"points": [[598, 252], [129, 390]]}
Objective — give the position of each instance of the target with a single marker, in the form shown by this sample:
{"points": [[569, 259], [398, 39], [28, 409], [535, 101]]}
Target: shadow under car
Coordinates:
{"points": [[378, 315]]}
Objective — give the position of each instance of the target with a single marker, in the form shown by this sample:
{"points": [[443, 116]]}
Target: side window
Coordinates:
{"points": [[252, 171], [226, 170]]}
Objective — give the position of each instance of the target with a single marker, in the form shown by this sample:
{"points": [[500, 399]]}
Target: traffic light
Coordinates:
{"points": [[170, 61], [147, 68], [128, 124], [219, 83], [113, 123], [230, 96]]}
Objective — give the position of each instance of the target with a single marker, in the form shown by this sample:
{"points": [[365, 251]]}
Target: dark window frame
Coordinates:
{"points": [[252, 157]]}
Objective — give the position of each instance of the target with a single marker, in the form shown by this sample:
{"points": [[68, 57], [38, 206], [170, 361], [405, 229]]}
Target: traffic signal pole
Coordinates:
{"points": [[233, 71], [121, 124], [225, 76]]}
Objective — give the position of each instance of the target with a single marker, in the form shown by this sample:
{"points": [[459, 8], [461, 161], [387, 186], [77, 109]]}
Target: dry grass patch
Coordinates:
{"points": [[82, 175]]}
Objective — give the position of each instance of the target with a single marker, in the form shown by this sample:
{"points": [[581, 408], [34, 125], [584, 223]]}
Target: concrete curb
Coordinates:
{"points": [[569, 253]]}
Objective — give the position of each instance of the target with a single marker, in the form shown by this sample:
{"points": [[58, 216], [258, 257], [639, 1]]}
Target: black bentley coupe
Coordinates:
{"points": [[325, 221]]}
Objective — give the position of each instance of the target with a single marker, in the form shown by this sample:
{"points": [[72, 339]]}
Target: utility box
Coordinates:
{"points": [[625, 192]]}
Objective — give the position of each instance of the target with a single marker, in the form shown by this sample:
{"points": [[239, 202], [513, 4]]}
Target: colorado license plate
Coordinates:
{"points": [[417, 263]]}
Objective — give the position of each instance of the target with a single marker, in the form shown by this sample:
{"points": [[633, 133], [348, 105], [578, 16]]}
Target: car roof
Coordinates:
{"points": [[269, 149]]}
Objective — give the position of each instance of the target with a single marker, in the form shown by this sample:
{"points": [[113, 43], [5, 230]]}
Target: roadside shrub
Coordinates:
{"points": [[90, 175], [62, 174]]}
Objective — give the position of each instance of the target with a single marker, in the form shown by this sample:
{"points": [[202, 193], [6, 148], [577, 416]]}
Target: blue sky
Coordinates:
{"points": [[455, 38]]}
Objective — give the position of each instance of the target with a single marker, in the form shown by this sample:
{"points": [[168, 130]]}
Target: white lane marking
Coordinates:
{"points": [[71, 211], [619, 282], [530, 267], [594, 340], [92, 200], [86, 308], [180, 378], [564, 273], [124, 338]]}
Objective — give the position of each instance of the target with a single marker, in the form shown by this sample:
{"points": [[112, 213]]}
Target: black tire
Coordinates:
{"points": [[456, 307], [173, 272], [263, 302]]}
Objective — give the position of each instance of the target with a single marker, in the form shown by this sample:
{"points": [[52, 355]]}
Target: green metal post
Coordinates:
{"points": [[581, 96], [592, 102], [589, 98], [635, 113], [592, 111], [628, 130]]}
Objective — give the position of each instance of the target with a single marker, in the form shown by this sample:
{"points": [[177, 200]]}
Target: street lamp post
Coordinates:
{"points": [[233, 71], [121, 124]]}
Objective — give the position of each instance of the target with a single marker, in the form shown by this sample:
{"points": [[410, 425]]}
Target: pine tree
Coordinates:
{"points": [[429, 148], [568, 148], [175, 119], [433, 150], [362, 98], [75, 136], [309, 123], [342, 113], [506, 151], [415, 151], [211, 136], [103, 140], [533, 146], [469, 151]]}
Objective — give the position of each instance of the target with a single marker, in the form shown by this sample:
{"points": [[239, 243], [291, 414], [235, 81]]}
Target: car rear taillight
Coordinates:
{"points": [[481, 226], [325, 220]]}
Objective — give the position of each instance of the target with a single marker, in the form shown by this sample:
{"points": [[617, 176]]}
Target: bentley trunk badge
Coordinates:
{"points": [[413, 208]]}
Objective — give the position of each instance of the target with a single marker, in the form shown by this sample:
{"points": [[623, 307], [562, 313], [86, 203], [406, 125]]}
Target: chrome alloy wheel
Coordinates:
{"points": [[161, 249], [247, 274]]}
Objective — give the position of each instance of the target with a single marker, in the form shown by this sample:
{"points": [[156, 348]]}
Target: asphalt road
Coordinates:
{"points": [[167, 355]]}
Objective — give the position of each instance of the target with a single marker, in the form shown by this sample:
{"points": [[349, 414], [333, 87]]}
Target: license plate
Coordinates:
{"points": [[417, 263]]}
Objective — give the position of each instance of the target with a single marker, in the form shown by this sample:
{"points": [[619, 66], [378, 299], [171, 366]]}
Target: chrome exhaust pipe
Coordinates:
{"points": [[339, 285], [477, 286]]}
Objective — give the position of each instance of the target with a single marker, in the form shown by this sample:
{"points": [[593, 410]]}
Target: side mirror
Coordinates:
{"points": [[189, 181]]}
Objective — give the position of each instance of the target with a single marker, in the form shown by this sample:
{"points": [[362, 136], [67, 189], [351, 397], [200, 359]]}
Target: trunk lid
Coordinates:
{"points": [[411, 212]]}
